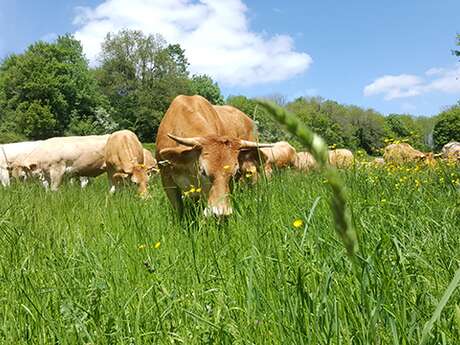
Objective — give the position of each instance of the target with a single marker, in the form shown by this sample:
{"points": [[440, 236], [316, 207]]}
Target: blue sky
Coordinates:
{"points": [[393, 56]]}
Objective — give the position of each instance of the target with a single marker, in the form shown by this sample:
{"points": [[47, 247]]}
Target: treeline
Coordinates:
{"points": [[50, 90]]}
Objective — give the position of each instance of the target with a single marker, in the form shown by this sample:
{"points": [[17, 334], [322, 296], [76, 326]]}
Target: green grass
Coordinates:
{"points": [[72, 272]]}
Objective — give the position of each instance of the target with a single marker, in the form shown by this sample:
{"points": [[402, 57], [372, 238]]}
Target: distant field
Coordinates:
{"points": [[83, 267]]}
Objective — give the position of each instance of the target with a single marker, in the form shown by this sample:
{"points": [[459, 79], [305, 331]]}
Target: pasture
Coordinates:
{"points": [[82, 267]]}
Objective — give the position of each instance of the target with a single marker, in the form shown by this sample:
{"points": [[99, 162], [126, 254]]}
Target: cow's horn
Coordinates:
{"points": [[245, 144], [195, 141]]}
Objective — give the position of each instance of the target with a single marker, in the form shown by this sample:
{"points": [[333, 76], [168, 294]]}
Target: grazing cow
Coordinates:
{"points": [[75, 156], [341, 158], [9, 153], [451, 151], [281, 155], [239, 125], [403, 153], [305, 162], [124, 158], [150, 163], [196, 146]]}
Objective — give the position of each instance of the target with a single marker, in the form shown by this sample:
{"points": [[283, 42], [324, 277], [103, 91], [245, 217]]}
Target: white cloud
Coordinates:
{"points": [[214, 33], [395, 86], [445, 80]]}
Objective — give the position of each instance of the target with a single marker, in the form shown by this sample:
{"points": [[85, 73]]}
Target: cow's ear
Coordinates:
{"points": [[180, 155]]}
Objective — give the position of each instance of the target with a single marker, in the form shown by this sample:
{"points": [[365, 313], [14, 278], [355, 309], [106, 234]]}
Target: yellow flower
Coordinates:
{"points": [[297, 223], [198, 190], [226, 167], [157, 245], [142, 247], [418, 183], [383, 201]]}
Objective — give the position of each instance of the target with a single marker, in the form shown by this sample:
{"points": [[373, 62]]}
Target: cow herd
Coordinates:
{"points": [[200, 149]]}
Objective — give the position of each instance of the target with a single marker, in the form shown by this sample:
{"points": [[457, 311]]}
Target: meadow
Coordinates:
{"points": [[82, 267]]}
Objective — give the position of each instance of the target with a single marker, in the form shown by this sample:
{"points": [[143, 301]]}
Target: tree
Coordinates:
{"points": [[457, 52], [204, 86], [447, 127], [268, 128], [140, 74], [47, 86]]}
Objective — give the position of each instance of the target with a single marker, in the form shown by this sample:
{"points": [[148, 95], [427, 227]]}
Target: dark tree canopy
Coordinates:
{"points": [[447, 127], [49, 90], [457, 52], [204, 86], [46, 88], [140, 75]]}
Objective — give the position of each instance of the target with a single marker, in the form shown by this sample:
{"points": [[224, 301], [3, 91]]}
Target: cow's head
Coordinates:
{"points": [[214, 161], [23, 171], [140, 177]]}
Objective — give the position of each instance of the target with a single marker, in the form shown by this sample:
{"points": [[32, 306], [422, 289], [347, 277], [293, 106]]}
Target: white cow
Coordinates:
{"points": [[10, 153], [74, 156]]}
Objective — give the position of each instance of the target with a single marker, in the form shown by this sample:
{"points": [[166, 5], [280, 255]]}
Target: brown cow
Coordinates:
{"points": [[403, 153], [341, 158], [239, 125], [150, 163], [56, 157], [305, 162], [198, 147], [124, 158], [281, 155], [451, 151]]}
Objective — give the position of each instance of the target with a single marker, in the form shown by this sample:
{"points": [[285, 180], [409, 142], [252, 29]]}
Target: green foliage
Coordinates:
{"points": [[47, 86], [204, 86], [79, 267], [268, 128], [344, 126], [140, 74], [318, 148], [10, 137], [447, 127], [457, 52]]}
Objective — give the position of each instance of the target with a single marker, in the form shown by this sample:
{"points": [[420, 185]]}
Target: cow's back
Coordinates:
{"points": [[281, 155], [341, 158], [305, 161], [236, 123], [123, 151], [451, 150], [83, 155], [401, 153], [188, 116], [11, 152], [149, 162]]}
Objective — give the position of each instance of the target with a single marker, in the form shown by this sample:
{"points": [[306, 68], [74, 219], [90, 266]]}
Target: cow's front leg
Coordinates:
{"points": [[173, 193], [56, 174], [4, 177]]}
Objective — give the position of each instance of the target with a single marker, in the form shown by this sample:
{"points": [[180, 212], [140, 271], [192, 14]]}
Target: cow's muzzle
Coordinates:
{"points": [[218, 211]]}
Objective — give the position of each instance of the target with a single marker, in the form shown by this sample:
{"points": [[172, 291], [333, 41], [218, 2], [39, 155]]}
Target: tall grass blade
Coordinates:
{"points": [[447, 294], [316, 145]]}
